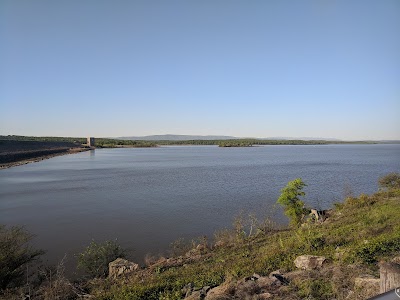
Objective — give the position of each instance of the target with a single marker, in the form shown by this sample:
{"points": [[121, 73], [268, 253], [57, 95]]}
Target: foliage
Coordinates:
{"points": [[359, 233], [15, 254], [96, 257], [55, 285], [390, 181], [235, 143], [113, 143], [315, 289], [245, 142], [290, 200], [370, 251]]}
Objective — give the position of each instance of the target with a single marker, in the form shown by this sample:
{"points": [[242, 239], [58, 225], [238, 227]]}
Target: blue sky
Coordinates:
{"points": [[243, 68]]}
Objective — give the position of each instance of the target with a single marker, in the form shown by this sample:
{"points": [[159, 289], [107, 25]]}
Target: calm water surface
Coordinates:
{"points": [[147, 198]]}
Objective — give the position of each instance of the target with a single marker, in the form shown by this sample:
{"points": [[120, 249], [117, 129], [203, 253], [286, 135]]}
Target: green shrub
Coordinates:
{"points": [[390, 181], [290, 200], [372, 250], [15, 254], [361, 201], [315, 289], [96, 257]]}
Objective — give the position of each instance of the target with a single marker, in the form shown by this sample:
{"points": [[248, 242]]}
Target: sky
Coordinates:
{"points": [[240, 68]]}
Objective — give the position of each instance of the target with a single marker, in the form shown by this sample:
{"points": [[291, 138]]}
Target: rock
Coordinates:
{"points": [[121, 266], [201, 247], [205, 290], [396, 260], [188, 289], [350, 295], [315, 214], [264, 283], [195, 295], [264, 296], [278, 278], [272, 274], [192, 253], [309, 262], [245, 288], [222, 292], [389, 275], [252, 277], [294, 274], [198, 294], [366, 286], [219, 244], [319, 215]]}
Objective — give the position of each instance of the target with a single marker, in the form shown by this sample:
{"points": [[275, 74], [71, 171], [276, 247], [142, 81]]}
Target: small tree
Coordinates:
{"points": [[390, 181], [290, 200], [15, 254], [96, 257]]}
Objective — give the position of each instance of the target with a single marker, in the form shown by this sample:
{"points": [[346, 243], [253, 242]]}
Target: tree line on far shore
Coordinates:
{"points": [[111, 143]]}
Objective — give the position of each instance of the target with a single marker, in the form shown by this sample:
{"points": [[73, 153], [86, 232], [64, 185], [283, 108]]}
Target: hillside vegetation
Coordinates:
{"points": [[359, 233], [110, 143], [353, 236]]}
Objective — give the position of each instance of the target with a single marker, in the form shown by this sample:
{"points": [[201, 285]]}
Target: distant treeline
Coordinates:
{"points": [[100, 142], [43, 138], [251, 142], [111, 143]]}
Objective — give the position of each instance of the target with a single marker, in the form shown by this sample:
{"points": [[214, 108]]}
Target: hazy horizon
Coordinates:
{"points": [[323, 69], [212, 136]]}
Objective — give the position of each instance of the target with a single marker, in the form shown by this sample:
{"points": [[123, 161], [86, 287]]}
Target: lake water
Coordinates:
{"points": [[147, 198]]}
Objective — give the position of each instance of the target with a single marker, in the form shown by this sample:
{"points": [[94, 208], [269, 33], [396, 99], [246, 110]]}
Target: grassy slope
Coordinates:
{"points": [[359, 233]]}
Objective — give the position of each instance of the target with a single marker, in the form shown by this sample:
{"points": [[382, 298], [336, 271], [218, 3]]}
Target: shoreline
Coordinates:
{"points": [[41, 157]]}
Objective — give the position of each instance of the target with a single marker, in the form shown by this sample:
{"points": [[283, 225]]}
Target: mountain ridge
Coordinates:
{"points": [[183, 137]]}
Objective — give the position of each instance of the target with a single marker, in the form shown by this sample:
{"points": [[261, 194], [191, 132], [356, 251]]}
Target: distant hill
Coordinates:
{"points": [[300, 138], [177, 137], [180, 137]]}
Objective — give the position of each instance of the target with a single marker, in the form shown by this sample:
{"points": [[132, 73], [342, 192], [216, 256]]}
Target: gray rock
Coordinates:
{"points": [[264, 296], [245, 288], [120, 267], [195, 295], [253, 277], [188, 289], [222, 292], [278, 278], [309, 262], [205, 290], [264, 283]]}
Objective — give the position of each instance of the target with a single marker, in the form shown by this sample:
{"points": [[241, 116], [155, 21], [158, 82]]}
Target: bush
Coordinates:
{"points": [[315, 289], [289, 199], [96, 257], [15, 254], [390, 182], [383, 245]]}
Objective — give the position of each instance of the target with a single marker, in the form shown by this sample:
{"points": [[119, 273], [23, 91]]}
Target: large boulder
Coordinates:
{"points": [[309, 262], [121, 266]]}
